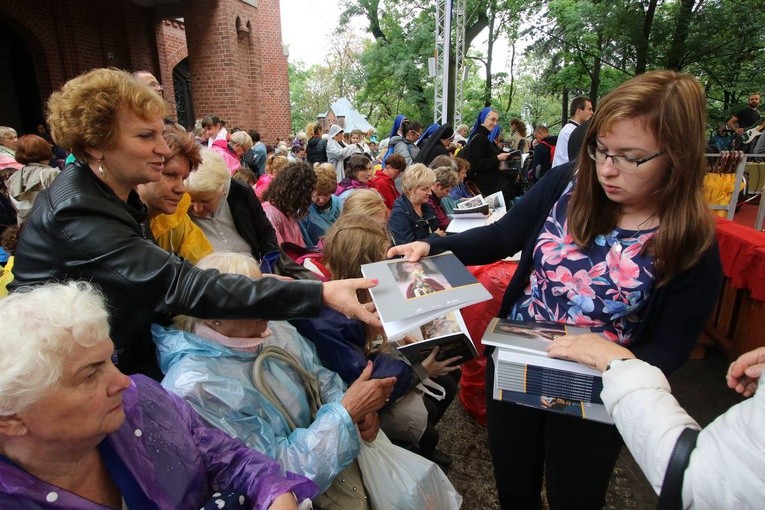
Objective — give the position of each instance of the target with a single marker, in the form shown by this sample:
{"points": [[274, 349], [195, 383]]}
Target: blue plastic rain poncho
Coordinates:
{"points": [[217, 382]]}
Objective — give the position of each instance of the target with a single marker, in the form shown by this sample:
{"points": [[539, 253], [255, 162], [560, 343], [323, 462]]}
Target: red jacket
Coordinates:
{"points": [[386, 187]]}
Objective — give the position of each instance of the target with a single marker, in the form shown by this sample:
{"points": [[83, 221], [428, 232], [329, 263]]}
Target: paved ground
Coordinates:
{"points": [[699, 386]]}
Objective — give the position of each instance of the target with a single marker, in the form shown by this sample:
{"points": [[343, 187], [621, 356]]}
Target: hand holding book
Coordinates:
{"points": [[590, 349], [437, 368]]}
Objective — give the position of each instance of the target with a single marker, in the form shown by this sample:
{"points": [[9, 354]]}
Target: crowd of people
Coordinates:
{"points": [[187, 323]]}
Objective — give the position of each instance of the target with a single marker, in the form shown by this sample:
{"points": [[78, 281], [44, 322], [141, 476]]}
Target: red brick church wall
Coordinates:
{"points": [[171, 49], [240, 76]]}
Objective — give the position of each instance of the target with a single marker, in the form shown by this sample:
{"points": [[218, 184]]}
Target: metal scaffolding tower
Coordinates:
{"points": [[459, 60], [445, 10]]}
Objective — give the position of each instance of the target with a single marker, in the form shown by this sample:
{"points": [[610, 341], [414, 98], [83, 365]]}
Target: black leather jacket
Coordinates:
{"points": [[80, 230]]}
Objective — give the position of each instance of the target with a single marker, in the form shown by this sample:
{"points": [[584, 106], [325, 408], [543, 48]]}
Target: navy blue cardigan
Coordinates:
{"points": [[675, 313]]}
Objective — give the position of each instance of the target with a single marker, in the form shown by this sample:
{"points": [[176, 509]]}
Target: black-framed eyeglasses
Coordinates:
{"points": [[623, 163]]}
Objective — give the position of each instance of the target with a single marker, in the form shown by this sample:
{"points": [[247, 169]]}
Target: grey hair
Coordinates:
{"points": [[211, 175], [6, 131], [241, 138], [41, 325], [446, 177]]}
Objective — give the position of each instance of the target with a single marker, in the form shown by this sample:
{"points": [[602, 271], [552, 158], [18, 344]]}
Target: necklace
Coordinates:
{"points": [[643, 226]]}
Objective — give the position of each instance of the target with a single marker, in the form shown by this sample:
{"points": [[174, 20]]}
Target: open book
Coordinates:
{"points": [[478, 206], [421, 299], [524, 374], [448, 332]]}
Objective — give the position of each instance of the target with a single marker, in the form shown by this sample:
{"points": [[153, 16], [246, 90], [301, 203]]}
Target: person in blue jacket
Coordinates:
{"points": [[211, 367]]}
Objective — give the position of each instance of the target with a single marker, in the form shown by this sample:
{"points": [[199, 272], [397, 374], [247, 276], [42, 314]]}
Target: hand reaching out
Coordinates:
{"points": [[412, 251], [340, 295], [744, 373]]}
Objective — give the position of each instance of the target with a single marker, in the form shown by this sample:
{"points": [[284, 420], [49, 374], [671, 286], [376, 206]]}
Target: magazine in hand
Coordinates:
{"points": [[409, 294], [448, 332], [524, 374]]}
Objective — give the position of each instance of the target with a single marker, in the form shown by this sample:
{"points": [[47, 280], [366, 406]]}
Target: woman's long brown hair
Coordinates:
{"points": [[672, 107]]}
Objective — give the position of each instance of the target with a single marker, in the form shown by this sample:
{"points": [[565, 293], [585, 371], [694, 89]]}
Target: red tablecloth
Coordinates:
{"points": [[742, 251]]}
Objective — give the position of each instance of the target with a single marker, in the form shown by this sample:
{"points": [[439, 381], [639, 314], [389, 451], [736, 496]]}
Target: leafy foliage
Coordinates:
{"points": [[560, 49]]}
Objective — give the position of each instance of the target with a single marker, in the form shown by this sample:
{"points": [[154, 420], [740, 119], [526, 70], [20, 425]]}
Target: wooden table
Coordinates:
{"points": [[738, 321]]}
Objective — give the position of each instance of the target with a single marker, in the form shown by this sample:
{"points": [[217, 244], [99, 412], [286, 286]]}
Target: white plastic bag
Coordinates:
{"points": [[397, 479]]}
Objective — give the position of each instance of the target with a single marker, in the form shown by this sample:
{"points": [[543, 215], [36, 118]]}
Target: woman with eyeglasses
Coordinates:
{"points": [[404, 144], [619, 241]]}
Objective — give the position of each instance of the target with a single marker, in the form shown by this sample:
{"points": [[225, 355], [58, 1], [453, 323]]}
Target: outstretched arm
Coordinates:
{"points": [[744, 373]]}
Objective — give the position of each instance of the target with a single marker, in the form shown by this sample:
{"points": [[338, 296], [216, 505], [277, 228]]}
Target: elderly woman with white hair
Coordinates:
{"points": [[412, 218], [223, 369], [76, 433], [9, 141], [227, 211]]}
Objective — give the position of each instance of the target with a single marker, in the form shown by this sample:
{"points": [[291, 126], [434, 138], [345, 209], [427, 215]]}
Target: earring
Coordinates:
{"points": [[217, 323], [101, 170]]}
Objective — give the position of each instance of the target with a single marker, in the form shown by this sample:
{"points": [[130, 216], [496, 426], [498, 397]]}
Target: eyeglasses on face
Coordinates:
{"points": [[623, 163]]}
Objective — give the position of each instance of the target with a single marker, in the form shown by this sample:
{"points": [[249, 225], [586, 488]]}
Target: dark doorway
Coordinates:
{"points": [[182, 85], [20, 103]]}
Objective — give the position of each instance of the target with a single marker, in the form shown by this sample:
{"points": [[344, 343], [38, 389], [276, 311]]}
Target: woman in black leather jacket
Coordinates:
{"points": [[91, 225]]}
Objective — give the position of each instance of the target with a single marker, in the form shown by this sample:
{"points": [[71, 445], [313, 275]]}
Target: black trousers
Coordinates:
{"points": [[576, 456]]}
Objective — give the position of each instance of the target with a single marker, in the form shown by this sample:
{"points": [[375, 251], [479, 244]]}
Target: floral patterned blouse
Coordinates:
{"points": [[604, 287]]}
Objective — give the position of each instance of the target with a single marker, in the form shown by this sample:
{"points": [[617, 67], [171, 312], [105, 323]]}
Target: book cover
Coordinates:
{"points": [[410, 294], [533, 337], [448, 332], [480, 211]]}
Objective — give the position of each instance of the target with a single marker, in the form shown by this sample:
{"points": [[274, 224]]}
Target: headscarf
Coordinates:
{"points": [[426, 134], [443, 132], [479, 121], [396, 125], [495, 133]]}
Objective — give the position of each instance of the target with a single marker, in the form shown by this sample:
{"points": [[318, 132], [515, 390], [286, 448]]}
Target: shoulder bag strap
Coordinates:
{"points": [[671, 497], [309, 380]]}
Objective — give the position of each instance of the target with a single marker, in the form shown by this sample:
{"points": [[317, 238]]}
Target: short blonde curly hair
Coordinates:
{"points": [[82, 114]]}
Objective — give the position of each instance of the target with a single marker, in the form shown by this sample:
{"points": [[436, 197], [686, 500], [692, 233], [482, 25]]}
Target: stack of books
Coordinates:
{"points": [[525, 375]]}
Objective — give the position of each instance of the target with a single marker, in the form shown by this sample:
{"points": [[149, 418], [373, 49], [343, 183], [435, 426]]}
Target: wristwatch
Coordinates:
{"points": [[616, 361]]}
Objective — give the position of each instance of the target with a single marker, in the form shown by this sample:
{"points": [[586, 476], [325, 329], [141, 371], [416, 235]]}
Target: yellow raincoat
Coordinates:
{"points": [[176, 233]]}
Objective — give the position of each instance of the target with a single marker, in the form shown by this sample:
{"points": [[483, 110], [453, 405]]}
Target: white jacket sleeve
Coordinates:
{"points": [[637, 395], [727, 467]]}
